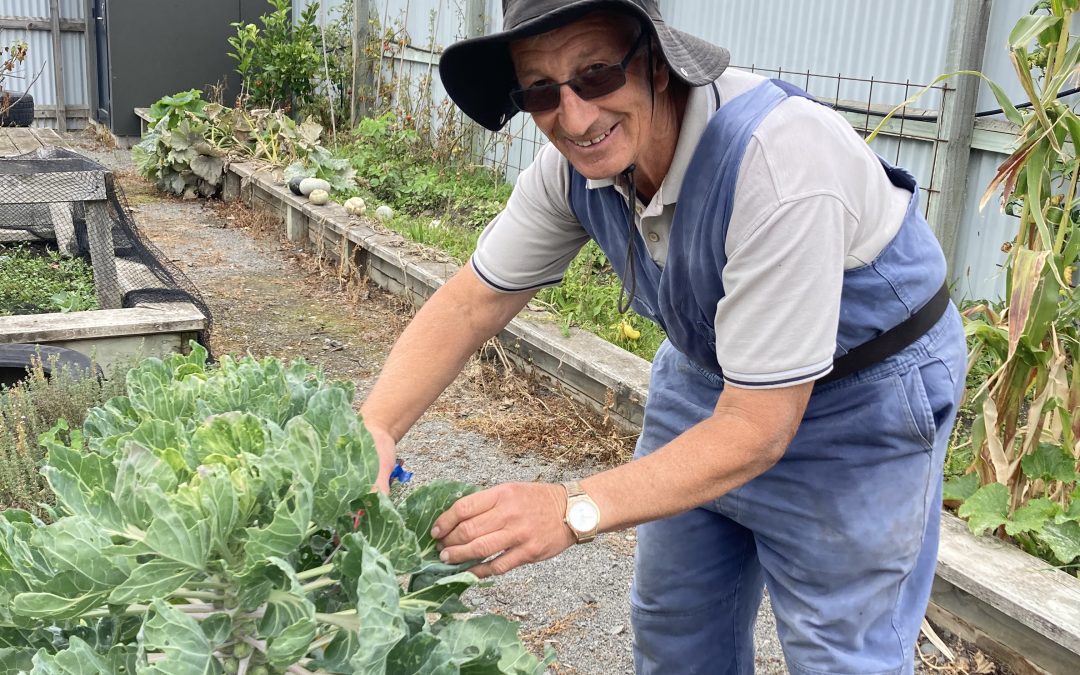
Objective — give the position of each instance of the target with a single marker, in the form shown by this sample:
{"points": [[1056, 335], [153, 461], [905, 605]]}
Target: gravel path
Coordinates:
{"points": [[266, 303]]}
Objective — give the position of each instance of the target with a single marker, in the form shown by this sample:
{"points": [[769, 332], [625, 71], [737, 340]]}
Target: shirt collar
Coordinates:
{"points": [[700, 106]]}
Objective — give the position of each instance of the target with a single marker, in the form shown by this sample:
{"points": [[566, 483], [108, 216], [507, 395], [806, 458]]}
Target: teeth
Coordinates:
{"points": [[585, 144]]}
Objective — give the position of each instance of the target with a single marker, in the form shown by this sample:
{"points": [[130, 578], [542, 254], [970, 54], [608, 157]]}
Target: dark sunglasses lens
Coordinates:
{"points": [[600, 82], [536, 99]]}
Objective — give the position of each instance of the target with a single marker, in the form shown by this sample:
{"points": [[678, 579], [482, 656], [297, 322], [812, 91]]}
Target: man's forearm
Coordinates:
{"points": [[430, 353], [745, 436]]}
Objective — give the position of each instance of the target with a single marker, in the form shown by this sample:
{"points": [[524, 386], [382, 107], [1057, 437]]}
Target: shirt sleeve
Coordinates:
{"points": [[532, 241], [791, 230]]}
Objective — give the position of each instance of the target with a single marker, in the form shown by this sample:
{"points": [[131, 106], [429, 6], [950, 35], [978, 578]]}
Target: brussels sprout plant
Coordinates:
{"points": [[222, 520]]}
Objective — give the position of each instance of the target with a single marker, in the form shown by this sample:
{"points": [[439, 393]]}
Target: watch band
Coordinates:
{"points": [[573, 489]]}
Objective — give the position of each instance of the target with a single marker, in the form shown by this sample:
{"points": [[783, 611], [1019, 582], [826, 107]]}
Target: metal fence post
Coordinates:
{"points": [[476, 21], [361, 65], [475, 18], [967, 46]]}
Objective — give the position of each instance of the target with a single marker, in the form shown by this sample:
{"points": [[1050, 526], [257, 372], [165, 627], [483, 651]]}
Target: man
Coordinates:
{"points": [[798, 413]]}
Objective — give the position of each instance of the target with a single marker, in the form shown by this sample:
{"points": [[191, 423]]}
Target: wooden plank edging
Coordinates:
{"points": [[1027, 599], [146, 319]]}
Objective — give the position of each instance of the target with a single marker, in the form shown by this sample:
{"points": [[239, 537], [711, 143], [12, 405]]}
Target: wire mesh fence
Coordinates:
{"points": [[412, 34], [58, 199]]}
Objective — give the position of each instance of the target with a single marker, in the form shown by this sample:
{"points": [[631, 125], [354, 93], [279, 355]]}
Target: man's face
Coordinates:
{"points": [[602, 136]]}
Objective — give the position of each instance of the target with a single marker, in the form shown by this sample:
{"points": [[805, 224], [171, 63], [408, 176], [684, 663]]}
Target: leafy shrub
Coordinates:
{"points": [[223, 520], [34, 280], [280, 62], [189, 142], [29, 409]]}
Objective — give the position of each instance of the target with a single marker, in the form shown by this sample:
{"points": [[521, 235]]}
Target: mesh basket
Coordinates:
{"points": [[59, 198]]}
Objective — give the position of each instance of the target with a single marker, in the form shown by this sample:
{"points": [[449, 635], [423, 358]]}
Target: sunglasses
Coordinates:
{"points": [[591, 84]]}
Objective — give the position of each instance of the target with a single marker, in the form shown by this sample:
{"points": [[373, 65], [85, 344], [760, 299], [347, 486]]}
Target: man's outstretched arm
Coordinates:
{"points": [[429, 354]]}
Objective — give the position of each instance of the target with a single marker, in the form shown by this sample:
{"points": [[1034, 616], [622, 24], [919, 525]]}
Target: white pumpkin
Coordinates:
{"points": [[355, 206], [319, 197]]}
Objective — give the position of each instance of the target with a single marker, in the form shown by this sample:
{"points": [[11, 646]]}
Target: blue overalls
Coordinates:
{"points": [[843, 531]]}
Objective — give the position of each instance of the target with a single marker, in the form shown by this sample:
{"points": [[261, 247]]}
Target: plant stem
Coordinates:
{"points": [[345, 620], [133, 610], [314, 572], [198, 595], [316, 585]]}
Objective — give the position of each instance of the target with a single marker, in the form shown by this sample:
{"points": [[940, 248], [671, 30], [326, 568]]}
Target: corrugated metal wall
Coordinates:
{"points": [[896, 41], [38, 72], [841, 44], [847, 49]]}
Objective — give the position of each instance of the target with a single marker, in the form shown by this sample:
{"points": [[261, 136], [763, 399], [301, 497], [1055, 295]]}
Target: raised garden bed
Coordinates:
{"points": [[145, 307], [1007, 602]]}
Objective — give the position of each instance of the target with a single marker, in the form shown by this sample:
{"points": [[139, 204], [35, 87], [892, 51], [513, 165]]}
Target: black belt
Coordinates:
{"points": [[891, 341]]}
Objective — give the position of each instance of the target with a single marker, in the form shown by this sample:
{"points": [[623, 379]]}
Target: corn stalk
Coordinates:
{"points": [[1025, 429]]}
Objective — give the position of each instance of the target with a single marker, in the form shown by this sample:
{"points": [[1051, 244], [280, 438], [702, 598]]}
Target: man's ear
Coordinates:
{"points": [[661, 73]]}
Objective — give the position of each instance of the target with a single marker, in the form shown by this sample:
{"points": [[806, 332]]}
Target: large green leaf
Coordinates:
{"points": [[78, 659], [16, 660], [178, 531], [74, 544], [286, 530], [421, 654], [293, 455], [154, 392], [482, 636], [1063, 539], [987, 509], [1049, 462], [228, 435], [55, 607], [1029, 28], [138, 469], [384, 528], [151, 580], [380, 616], [186, 649], [349, 463], [1031, 517], [288, 623], [443, 596], [959, 488], [214, 491], [425, 504]]}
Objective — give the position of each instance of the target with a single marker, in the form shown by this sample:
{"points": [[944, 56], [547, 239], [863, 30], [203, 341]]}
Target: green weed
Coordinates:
{"points": [[34, 280], [32, 407]]}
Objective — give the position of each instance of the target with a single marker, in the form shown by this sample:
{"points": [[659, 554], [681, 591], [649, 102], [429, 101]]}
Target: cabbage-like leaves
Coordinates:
{"points": [[219, 516]]}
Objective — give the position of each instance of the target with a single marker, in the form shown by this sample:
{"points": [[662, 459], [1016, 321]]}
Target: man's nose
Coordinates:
{"points": [[576, 115]]}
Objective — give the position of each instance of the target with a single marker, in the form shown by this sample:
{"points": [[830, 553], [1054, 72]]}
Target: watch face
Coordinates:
{"points": [[582, 516]]}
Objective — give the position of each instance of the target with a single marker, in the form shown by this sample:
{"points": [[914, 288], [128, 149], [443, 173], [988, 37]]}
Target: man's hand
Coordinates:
{"points": [[522, 522], [387, 449]]}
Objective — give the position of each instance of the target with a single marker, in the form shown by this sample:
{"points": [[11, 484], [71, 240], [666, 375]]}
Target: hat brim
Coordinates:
{"points": [[478, 73]]}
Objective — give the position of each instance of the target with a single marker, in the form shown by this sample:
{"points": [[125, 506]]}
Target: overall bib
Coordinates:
{"points": [[843, 530]]}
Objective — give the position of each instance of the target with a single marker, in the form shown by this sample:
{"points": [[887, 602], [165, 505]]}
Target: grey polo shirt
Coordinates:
{"points": [[811, 201]]}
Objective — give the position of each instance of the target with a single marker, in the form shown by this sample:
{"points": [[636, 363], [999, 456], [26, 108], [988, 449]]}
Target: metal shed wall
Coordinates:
{"points": [[854, 39], [835, 48], [38, 71]]}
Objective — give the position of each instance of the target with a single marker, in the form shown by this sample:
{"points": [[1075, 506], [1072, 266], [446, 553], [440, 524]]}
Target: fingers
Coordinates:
{"points": [[464, 509], [517, 522], [501, 564]]}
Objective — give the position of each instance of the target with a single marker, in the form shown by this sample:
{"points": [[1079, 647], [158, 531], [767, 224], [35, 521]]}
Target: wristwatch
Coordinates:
{"points": [[582, 513]]}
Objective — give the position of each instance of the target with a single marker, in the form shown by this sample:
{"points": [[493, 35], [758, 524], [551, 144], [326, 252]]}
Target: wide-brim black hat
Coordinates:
{"points": [[478, 73]]}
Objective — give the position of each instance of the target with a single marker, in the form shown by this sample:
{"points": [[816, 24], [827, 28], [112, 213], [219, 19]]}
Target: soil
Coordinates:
{"points": [[273, 298]]}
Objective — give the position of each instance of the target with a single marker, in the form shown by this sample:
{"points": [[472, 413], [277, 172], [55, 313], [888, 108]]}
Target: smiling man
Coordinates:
{"points": [[799, 411]]}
